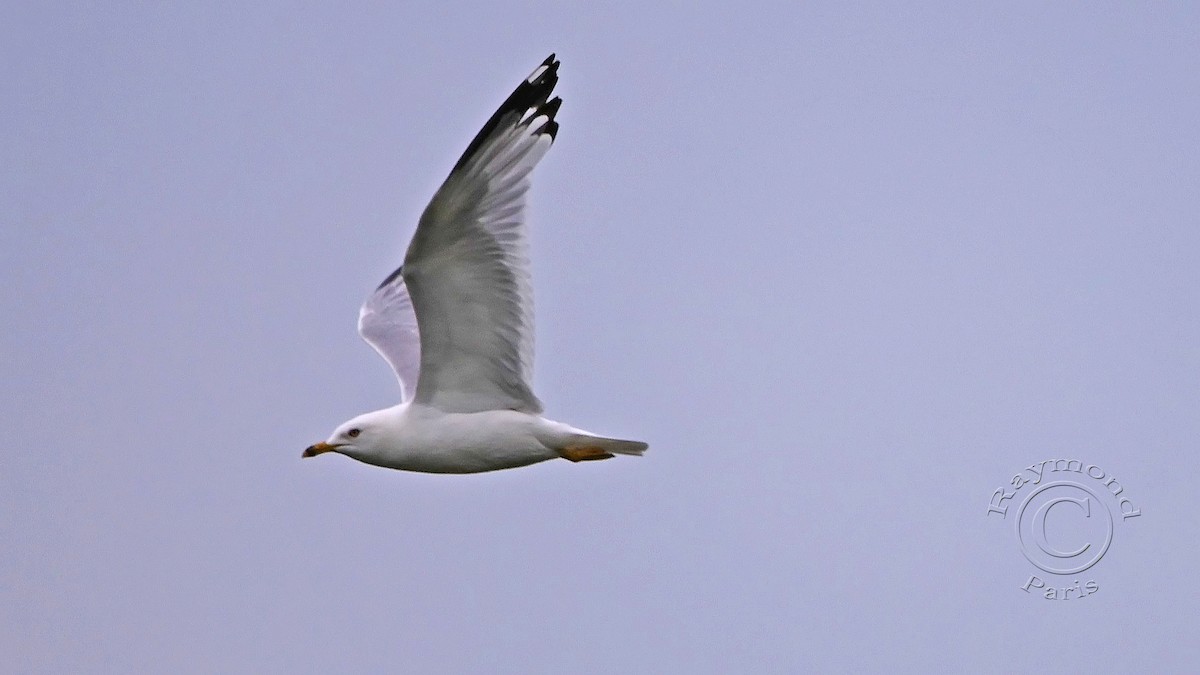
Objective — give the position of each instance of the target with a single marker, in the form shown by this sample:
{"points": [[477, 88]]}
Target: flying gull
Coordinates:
{"points": [[455, 321]]}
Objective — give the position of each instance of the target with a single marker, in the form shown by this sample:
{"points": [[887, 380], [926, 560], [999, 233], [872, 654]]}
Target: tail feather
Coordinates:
{"points": [[615, 446]]}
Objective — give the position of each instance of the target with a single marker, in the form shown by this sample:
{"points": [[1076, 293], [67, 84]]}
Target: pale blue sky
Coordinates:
{"points": [[846, 267]]}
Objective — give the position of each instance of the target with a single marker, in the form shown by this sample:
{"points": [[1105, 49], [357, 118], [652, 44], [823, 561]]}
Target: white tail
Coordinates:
{"points": [[584, 447], [613, 445]]}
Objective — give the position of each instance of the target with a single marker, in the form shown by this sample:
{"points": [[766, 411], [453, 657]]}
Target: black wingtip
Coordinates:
{"points": [[548, 110], [533, 92], [550, 128], [545, 76]]}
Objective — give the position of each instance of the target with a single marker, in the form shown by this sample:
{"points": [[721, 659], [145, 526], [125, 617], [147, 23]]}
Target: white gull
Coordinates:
{"points": [[455, 321]]}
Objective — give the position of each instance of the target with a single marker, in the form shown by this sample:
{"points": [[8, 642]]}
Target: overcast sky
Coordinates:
{"points": [[847, 268]]}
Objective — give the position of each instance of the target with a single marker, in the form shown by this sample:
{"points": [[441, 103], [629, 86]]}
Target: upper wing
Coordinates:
{"points": [[467, 267], [387, 322]]}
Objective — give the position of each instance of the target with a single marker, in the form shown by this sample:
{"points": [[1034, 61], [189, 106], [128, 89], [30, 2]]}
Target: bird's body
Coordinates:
{"points": [[455, 322], [414, 437]]}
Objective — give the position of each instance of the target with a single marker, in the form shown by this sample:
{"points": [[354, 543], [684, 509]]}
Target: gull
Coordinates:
{"points": [[455, 320]]}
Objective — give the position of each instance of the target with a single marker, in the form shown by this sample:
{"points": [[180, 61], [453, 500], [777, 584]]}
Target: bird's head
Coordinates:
{"points": [[359, 438]]}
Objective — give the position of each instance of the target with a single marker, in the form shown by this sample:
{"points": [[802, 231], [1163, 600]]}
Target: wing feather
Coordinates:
{"points": [[467, 267], [388, 323]]}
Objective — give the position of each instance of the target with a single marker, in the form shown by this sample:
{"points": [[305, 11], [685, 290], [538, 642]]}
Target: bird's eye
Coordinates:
{"points": [[353, 433]]}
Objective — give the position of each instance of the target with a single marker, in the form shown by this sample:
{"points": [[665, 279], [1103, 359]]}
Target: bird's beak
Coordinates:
{"points": [[314, 450]]}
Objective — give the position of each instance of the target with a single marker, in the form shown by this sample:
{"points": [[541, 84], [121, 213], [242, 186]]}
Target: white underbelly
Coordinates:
{"points": [[471, 442]]}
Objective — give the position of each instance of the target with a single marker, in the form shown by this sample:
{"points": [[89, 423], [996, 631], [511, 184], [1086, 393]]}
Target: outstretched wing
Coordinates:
{"points": [[467, 266], [387, 322]]}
